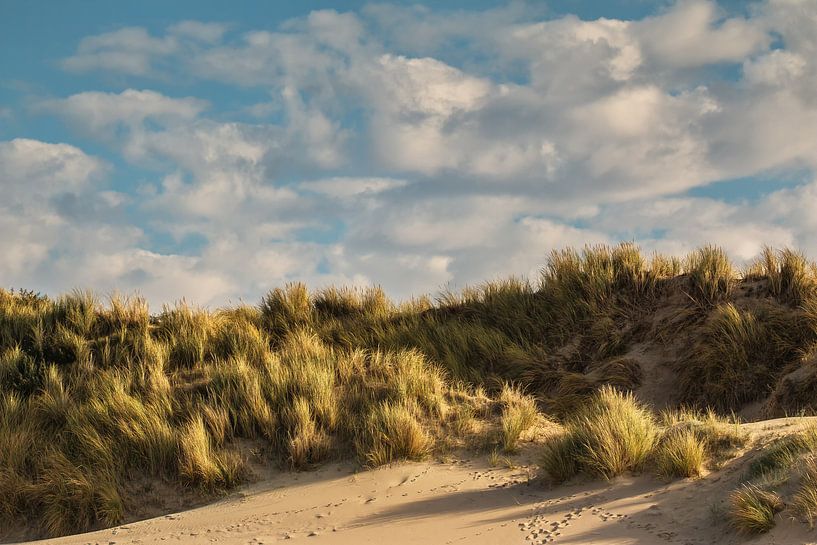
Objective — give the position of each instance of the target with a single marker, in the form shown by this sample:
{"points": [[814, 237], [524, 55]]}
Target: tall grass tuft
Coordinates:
{"points": [[392, 432], [710, 275], [609, 436], [741, 353], [518, 415], [752, 510], [790, 276], [680, 453], [805, 499]]}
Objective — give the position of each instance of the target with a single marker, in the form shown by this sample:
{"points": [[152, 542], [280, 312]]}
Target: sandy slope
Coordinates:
{"points": [[462, 501]]}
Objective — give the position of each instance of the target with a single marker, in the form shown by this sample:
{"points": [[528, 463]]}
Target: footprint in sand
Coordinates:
{"points": [[540, 530]]}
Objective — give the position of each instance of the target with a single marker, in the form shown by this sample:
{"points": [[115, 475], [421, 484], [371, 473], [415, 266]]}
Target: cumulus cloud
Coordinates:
{"points": [[693, 33], [105, 115], [417, 147]]}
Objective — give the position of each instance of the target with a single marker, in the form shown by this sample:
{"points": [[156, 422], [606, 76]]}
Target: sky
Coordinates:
{"points": [[213, 151]]}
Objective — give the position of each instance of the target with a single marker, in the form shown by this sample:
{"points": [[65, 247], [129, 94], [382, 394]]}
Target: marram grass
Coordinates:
{"points": [[96, 392]]}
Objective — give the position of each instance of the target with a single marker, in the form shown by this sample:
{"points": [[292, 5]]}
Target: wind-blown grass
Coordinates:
{"points": [[681, 453], [609, 436], [752, 510], [94, 393]]}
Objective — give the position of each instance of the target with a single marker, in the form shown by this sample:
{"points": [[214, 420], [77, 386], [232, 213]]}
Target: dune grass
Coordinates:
{"points": [[720, 436], [94, 394], [613, 434], [804, 501], [781, 455], [753, 506], [752, 510], [681, 453], [609, 436], [711, 275], [519, 414]]}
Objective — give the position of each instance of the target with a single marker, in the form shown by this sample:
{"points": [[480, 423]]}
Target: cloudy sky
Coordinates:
{"points": [[211, 151]]}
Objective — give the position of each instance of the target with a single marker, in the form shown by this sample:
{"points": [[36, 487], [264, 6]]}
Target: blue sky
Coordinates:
{"points": [[214, 151]]}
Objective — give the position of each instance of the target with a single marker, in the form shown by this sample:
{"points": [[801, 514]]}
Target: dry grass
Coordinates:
{"points": [[711, 275], [611, 435], [393, 432], [752, 510], [782, 455], [518, 415], [720, 436], [680, 453], [92, 394], [804, 502], [789, 274]]}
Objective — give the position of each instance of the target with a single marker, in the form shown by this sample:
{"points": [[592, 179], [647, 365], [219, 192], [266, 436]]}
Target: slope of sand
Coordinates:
{"points": [[464, 501]]}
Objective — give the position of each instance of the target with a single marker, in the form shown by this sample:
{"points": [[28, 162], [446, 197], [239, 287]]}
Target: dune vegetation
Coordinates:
{"points": [[101, 401]]}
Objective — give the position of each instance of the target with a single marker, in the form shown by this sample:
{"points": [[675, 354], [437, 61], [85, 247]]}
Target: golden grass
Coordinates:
{"points": [[711, 275], [680, 453], [752, 510], [393, 432], [518, 415], [804, 502], [720, 436], [609, 436], [95, 393]]}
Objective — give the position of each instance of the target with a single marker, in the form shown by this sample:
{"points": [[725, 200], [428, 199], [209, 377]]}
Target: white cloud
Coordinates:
{"points": [[690, 34], [197, 30], [102, 114], [33, 170], [418, 147], [128, 50], [346, 187]]}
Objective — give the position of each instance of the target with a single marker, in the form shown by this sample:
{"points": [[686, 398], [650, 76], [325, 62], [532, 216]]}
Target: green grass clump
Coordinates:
{"points": [[752, 510]]}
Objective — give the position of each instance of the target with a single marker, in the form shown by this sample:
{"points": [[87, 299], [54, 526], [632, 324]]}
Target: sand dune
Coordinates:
{"points": [[461, 501]]}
